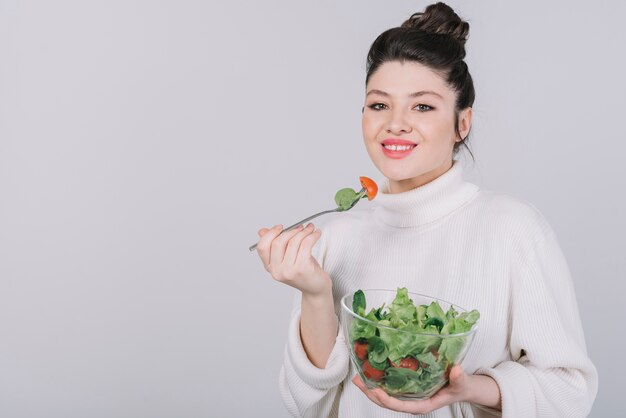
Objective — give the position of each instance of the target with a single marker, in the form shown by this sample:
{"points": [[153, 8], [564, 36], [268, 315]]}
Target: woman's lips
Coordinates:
{"points": [[397, 151]]}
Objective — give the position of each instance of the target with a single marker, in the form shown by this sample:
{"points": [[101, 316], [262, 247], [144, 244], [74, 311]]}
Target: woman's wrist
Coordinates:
{"points": [[318, 299], [321, 293], [483, 390]]}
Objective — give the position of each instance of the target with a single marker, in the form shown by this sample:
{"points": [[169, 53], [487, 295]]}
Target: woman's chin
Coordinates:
{"points": [[397, 175]]}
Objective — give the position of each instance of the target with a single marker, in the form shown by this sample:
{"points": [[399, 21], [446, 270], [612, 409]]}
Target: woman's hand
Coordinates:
{"points": [[287, 257], [477, 389]]}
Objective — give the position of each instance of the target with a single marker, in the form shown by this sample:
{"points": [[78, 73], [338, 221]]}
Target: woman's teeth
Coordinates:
{"points": [[398, 147]]}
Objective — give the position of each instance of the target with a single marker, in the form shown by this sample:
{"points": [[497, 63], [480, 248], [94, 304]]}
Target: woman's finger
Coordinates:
{"points": [[306, 246], [277, 249], [441, 398], [359, 383], [293, 247], [263, 247], [382, 399], [411, 407], [457, 375]]}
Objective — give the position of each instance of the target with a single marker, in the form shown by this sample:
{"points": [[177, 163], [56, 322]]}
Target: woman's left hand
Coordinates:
{"points": [[458, 390]]}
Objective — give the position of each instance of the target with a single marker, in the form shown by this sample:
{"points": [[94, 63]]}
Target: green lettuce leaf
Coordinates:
{"points": [[402, 311], [377, 353], [358, 302], [361, 329], [451, 347], [345, 198], [397, 377]]}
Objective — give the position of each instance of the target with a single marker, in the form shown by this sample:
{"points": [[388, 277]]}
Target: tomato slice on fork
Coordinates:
{"points": [[371, 188]]}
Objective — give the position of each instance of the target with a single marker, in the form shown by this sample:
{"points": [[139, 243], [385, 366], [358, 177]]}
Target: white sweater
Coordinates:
{"points": [[479, 250]]}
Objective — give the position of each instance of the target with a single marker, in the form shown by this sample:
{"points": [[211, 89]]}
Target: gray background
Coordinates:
{"points": [[143, 143]]}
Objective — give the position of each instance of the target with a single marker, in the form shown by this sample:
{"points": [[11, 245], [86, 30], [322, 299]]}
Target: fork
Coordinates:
{"points": [[338, 209]]}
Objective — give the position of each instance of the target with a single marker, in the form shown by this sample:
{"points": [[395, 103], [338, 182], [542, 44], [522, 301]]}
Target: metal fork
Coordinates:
{"points": [[338, 209]]}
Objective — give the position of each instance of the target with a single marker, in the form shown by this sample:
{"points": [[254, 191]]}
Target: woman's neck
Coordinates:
{"points": [[402, 186], [424, 204]]}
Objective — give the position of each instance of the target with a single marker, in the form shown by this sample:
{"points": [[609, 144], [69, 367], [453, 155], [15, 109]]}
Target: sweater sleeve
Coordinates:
{"points": [[550, 374], [306, 390]]}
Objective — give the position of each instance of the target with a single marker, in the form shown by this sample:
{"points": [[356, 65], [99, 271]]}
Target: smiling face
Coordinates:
{"points": [[409, 124]]}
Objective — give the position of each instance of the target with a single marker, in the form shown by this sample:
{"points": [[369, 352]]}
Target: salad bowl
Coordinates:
{"points": [[406, 343]]}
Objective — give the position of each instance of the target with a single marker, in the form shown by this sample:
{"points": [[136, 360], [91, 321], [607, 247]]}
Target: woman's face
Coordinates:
{"points": [[408, 124]]}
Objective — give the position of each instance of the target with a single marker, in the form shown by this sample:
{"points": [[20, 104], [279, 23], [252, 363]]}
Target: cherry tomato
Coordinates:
{"points": [[370, 185], [372, 373], [360, 350], [409, 363]]}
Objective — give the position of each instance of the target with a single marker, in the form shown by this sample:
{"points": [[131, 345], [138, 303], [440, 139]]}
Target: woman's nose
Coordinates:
{"points": [[398, 123]]}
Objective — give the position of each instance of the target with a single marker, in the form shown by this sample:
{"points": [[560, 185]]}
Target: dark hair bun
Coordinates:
{"points": [[440, 19]]}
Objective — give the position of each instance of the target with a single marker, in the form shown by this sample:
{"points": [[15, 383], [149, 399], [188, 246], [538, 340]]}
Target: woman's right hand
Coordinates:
{"points": [[287, 257]]}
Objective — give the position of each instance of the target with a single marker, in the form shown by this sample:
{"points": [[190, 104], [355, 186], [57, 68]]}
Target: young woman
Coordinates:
{"points": [[434, 233]]}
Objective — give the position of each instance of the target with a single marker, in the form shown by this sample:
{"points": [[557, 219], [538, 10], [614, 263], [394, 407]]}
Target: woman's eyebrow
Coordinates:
{"points": [[412, 95]]}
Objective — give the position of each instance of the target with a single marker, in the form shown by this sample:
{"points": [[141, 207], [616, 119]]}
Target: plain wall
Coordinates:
{"points": [[143, 144]]}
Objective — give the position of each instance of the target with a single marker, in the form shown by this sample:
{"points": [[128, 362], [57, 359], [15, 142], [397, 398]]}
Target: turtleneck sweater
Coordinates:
{"points": [[477, 249]]}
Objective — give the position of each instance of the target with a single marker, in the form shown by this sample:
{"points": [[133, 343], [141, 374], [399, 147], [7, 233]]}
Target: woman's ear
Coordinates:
{"points": [[465, 122]]}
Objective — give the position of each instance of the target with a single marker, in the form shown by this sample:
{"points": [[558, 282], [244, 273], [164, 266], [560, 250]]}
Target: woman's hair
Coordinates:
{"points": [[434, 38]]}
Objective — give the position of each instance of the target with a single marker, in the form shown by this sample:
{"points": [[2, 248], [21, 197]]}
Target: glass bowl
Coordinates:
{"points": [[413, 361]]}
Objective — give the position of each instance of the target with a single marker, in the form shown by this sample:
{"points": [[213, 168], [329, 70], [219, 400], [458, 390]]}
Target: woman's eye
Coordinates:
{"points": [[377, 106], [423, 107]]}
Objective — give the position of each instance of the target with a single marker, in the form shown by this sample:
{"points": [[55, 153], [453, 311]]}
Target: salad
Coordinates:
{"points": [[346, 198], [408, 349]]}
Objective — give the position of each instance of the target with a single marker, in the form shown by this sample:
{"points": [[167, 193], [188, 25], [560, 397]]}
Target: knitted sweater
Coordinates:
{"points": [[477, 249]]}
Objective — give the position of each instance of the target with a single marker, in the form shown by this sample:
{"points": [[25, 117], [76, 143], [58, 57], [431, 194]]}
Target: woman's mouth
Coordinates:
{"points": [[397, 149]]}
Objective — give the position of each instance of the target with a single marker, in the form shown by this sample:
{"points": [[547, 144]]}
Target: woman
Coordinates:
{"points": [[435, 234]]}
